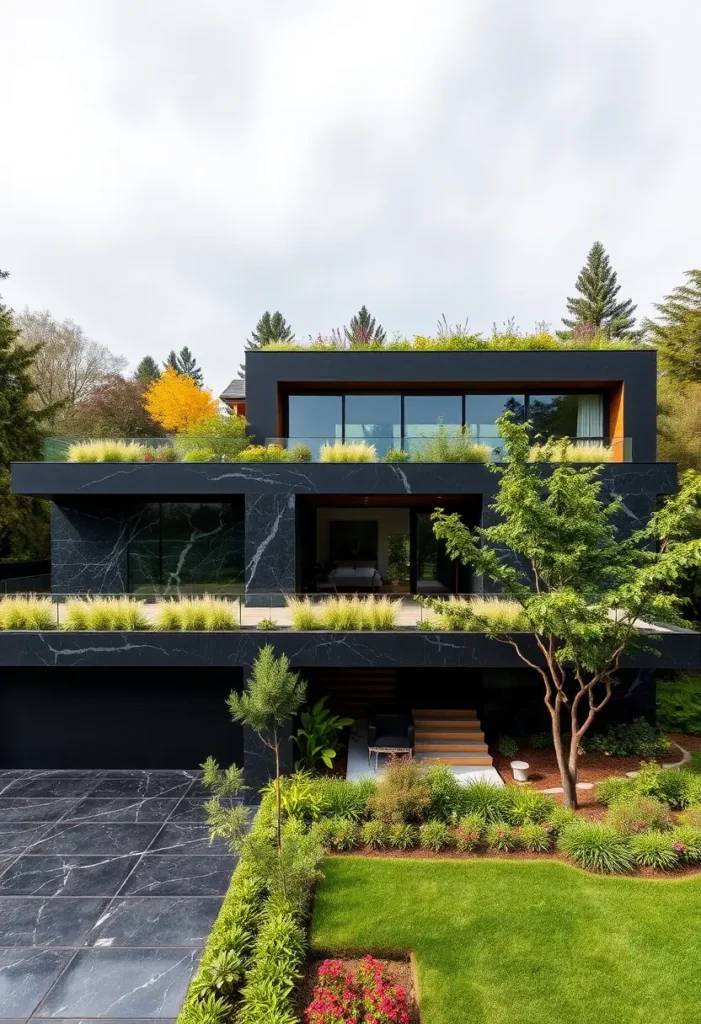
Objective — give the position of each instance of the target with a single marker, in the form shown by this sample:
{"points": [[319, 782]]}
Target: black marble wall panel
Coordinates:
{"points": [[410, 648], [88, 548], [270, 546]]}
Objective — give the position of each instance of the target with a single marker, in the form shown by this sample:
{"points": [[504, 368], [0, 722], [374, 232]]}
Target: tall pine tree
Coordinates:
{"points": [[272, 327], [678, 331], [184, 362], [362, 329], [598, 306], [147, 370], [24, 522]]}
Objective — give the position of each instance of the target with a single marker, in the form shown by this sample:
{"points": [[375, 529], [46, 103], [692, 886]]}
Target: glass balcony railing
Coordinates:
{"points": [[454, 445], [349, 612]]}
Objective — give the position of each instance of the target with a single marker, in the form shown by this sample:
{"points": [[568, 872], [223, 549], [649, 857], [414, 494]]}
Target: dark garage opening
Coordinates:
{"points": [[117, 718]]}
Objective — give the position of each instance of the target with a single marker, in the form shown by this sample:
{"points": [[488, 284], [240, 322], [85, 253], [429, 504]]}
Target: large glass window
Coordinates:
{"points": [[314, 420], [423, 414], [375, 419], [567, 415], [186, 547]]}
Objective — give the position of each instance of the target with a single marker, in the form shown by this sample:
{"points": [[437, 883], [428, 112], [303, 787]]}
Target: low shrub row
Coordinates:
{"points": [[136, 451], [253, 955], [118, 613]]}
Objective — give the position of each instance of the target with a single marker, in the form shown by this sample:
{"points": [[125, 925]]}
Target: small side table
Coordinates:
{"points": [[393, 751]]}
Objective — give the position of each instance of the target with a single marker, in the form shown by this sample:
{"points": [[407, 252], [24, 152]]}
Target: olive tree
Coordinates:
{"points": [[583, 587]]}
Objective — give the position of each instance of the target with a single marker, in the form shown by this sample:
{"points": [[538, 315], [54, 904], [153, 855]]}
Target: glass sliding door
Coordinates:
{"points": [[573, 415], [483, 411], [374, 419]]}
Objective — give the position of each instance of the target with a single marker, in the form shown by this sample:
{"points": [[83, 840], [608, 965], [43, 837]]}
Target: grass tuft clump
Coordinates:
{"points": [[487, 801], [536, 837], [197, 613], [344, 613], [477, 613], [107, 451], [597, 847], [655, 849], [434, 835], [27, 612], [348, 452], [469, 832], [451, 444], [566, 451], [104, 613], [502, 837]]}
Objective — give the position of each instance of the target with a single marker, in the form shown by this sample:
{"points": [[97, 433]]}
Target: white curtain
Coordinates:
{"points": [[590, 417]]}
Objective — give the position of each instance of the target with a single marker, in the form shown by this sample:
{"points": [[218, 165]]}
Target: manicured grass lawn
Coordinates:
{"points": [[522, 942]]}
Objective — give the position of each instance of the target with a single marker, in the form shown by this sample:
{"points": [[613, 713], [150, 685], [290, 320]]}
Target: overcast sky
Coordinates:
{"points": [[172, 168]]}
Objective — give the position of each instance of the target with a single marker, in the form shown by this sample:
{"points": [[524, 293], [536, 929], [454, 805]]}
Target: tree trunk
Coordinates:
{"points": [[567, 776], [278, 809]]}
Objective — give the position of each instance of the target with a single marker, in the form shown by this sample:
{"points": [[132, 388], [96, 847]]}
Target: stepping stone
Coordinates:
{"points": [[554, 790], [632, 775], [585, 785]]}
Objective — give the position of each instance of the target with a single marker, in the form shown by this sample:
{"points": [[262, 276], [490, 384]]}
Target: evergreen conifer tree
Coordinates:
{"points": [[147, 370], [24, 522], [597, 305], [362, 329], [271, 327], [184, 362], [678, 332]]}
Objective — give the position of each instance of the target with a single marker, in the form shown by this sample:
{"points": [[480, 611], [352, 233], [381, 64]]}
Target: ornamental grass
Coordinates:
{"points": [[567, 451], [27, 612], [349, 452], [104, 613], [346, 613], [452, 445], [472, 614], [107, 451], [197, 613]]}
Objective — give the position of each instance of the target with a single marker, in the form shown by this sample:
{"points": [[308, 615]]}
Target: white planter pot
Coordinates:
{"points": [[520, 770]]}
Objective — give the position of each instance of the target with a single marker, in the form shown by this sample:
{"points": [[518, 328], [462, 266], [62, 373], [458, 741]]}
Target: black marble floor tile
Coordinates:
{"points": [[106, 838], [91, 1020], [143, 784], [26, 975], [31, 808], [122, 983], [45, 921], [175, 875], [15, 837], [184, 837], [65, 876], [127, 809], [47, 785], [156, 921], [190, 810]]}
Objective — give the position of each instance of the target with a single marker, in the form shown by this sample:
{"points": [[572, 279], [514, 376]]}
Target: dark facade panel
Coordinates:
{"points": [[168, 481], [678, 649], [59, 717]]}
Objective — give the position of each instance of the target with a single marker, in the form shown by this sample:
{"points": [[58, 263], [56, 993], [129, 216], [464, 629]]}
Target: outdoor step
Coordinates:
{"points": [[444, 713], [444, 730], [465, 759], [472, 747], [445, 724]]}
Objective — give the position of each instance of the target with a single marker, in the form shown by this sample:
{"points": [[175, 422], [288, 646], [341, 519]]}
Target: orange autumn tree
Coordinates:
{"points": [[177, 402]]}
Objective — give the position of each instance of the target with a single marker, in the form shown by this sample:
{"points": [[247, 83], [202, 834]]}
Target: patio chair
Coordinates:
{"points": [[390, 732]]}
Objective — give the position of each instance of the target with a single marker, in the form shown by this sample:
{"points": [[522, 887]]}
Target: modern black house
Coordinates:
{"points": [[270, 529]]}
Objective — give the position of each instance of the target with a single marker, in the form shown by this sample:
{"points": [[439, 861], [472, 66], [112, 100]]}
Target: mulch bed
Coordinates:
{"points": [[685, 740], [678, 872], [400, 969]]}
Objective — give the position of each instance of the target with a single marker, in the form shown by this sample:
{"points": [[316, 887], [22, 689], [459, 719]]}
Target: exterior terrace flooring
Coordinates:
{"points": [[108, 889]]}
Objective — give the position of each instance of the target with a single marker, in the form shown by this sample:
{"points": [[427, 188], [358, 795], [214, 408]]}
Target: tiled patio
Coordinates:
{"points": [[108, 889]]}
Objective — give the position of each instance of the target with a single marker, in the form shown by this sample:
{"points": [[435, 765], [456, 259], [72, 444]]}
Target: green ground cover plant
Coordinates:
{"points": [[628, 739], [498, 941]]}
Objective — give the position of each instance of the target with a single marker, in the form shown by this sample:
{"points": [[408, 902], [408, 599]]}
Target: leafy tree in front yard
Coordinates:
{"points": [[582, 585], [272, 697]]}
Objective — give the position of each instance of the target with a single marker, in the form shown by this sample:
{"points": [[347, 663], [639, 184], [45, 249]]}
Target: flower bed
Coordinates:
{"points": [[358, 992]]}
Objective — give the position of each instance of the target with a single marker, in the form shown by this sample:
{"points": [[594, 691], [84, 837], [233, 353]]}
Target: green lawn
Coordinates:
{"points": [[522, 942]]}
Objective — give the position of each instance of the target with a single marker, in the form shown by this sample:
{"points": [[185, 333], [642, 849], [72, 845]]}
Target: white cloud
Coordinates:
{"points": [[171, 168]]}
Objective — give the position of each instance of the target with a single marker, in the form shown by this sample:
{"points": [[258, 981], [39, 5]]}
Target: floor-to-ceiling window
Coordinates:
{"points": [[408, 421], [374, 419], [186, 547], [424, 413]]}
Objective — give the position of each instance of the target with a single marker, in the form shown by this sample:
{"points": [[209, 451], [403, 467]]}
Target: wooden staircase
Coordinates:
{"points": [[451, 737]]}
